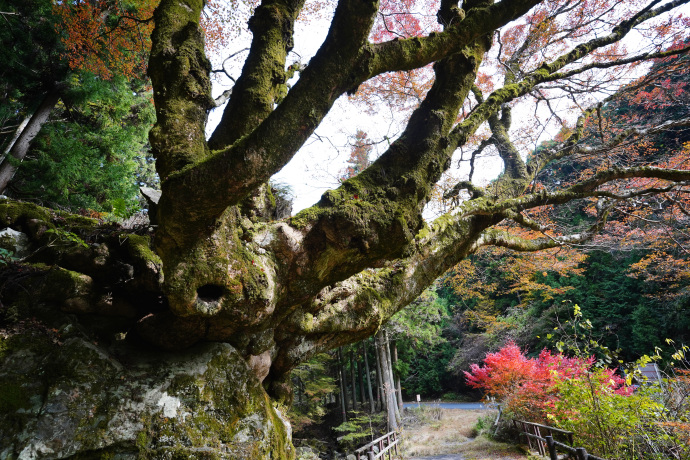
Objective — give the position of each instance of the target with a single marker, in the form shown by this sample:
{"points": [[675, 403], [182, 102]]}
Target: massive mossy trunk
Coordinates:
{"points": [[77, 381]]}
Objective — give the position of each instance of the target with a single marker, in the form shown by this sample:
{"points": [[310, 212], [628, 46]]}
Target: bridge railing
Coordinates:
{"points": [[385, 444], [540, 438]]}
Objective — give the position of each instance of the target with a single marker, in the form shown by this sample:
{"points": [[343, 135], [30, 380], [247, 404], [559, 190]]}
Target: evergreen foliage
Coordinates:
{"points": [[30, 51], [425, 345], [313, 385], [94, 153]]}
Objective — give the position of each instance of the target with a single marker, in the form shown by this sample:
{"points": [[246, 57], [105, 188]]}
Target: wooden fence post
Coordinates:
{"points": [[552, 447], [540, 444], [527, 429], [582, 453]]}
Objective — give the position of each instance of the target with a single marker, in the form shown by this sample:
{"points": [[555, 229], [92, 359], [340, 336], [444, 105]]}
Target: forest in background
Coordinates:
{"points": [[631, 282], [79, 94]]}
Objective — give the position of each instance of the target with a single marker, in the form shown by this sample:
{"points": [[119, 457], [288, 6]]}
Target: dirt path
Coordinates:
{"points": [[449, 434], [441, 457]]}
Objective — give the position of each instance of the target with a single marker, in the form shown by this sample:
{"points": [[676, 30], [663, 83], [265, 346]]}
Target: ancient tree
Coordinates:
{"points": [[279, 291]]}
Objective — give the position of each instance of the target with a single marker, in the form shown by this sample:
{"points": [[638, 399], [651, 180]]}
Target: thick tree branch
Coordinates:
{"points": [[387, 198], [414, 161], [342, 63], [229, 175], [417, 52], [179, 71], [505, 239], [474, 191], [355, 308], [223, 98], [249, 280], [262, 82], [514, 167]]}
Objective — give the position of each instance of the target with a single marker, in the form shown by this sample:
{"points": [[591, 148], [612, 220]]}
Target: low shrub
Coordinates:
{"points": [[606, 416]]}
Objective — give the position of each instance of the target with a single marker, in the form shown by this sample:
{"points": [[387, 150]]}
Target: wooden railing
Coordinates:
{"points": [[385, 444], [546, 445]]}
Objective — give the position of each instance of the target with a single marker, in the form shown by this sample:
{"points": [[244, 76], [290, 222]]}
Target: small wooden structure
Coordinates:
{"points": [[540, 438], [385, 444], [650, 374]]}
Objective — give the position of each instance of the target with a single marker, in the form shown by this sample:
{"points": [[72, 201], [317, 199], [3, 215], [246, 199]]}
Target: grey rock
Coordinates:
{"points": [[15, 241], [65, 399]]}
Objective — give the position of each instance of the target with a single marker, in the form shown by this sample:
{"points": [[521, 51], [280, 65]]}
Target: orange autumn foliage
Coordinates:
{"points": [[107, 37], [104, 37]]}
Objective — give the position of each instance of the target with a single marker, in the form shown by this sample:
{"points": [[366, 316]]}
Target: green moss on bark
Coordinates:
{"points": [[17, 214]]}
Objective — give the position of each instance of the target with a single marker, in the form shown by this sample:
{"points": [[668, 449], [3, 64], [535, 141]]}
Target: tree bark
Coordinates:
{"points": [[280, 291], [398, 386], [17, 133], [21, 145], [353, 380], [333, 274], [389, 361], [372, 407], [389, 389], [343, 389], [360, 377], [380, 396]]}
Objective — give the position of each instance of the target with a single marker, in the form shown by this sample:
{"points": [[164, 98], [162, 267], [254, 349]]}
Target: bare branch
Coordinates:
{"points": [[619, 62], [584, 189], [223, 98], [549, 72]]}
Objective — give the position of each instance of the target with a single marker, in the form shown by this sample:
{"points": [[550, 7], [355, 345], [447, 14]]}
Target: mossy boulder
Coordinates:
{"points": [[76, 379], [16, 243], [64, 396]]}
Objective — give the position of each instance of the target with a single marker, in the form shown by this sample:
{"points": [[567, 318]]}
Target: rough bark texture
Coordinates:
{"points": [[353, 384], [360, 382], [372, 406], [398, 385], [343, 385], [77, 382], [387, 382], [380, 397]]}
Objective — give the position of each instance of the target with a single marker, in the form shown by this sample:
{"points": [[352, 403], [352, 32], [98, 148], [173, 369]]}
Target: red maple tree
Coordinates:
{"points": [[527, 387]]}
